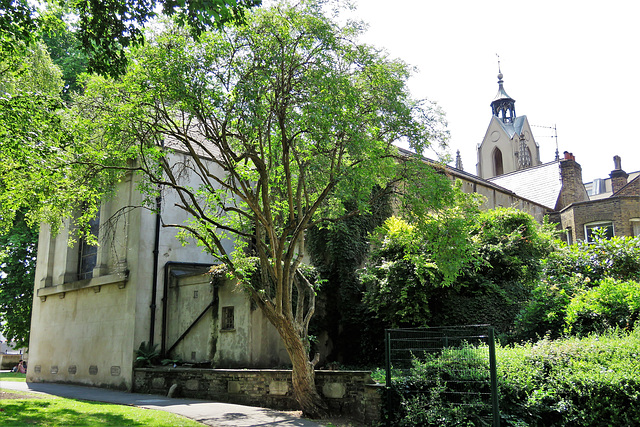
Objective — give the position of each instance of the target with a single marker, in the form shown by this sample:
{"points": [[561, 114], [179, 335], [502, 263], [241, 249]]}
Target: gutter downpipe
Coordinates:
{"points": [[154, 279]]}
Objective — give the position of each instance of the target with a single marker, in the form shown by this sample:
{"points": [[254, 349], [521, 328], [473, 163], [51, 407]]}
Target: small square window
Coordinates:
{"points": [[227, 318]]}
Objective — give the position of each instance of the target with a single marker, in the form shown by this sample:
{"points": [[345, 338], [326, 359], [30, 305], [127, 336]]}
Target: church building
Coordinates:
{"points": [[508, 144], [509, 158]]}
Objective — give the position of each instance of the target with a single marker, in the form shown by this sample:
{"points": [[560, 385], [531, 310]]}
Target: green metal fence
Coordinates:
{"points": [[447, 371]]}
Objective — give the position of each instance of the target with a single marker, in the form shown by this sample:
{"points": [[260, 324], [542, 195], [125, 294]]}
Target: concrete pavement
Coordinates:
{"points": [[207, 412]]}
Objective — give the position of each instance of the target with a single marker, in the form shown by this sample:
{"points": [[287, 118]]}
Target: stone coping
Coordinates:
{"points": [[248, 370], [110, 279]]}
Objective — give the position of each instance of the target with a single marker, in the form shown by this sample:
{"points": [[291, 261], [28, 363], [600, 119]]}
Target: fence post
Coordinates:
{"points": [[494, 379], [387, 357]]}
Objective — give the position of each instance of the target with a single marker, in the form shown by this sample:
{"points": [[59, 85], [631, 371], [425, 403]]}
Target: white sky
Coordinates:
{"points": [[573, 64]]}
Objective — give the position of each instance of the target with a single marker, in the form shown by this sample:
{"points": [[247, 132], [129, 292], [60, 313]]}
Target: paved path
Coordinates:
{"points": [[210, 413]]}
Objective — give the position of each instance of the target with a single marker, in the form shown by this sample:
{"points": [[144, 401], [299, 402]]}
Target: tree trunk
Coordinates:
{"points": [[303, 374]]}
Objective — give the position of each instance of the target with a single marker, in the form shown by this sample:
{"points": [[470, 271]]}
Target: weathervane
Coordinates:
{"points": [[499, 72]]}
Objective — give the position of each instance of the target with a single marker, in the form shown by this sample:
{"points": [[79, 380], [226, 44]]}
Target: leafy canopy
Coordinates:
{"points": [[261, 132], [435, 270], [17, 272], [107, 28]]}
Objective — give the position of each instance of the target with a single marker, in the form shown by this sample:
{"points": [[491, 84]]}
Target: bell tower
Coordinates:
{"points": [[503, 106], [508, 145]]}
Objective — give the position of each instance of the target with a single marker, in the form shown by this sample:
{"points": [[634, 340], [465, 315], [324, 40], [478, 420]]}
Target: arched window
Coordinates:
{"points": [[497, 162], [88, 253]]}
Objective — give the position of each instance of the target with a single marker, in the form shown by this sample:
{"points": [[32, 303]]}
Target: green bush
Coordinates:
{"points": [[618, 257], [544, 315], [611, 304], [569, 274], [589, 381], [406, 283]]}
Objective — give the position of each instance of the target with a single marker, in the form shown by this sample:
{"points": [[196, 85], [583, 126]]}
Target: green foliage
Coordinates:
{"points": [[448, 387], [107, 29], [585, 381], [569, 274], [499, 255], [18, 25], [30, 71], [397, 290], [66, 52], [618, 258], [543, 315], [18, 246], [147, 355], [611, 304], [582, 382], [337, 251], [511, 245]]}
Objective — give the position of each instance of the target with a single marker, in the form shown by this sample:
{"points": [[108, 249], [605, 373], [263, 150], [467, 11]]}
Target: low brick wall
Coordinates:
{"points": [[9, 361], [348, 393]]}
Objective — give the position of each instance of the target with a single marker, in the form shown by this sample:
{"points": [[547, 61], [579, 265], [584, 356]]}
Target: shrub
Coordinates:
{"points": [[618, 257], [611, 304], [589, 381], [545, 312], [569, 273]]}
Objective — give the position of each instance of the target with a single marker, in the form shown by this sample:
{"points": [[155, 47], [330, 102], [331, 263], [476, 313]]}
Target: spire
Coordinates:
{"points": [[458, 161], [503, 106]]}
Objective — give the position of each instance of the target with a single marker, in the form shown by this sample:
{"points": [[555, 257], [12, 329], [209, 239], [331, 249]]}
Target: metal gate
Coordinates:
{"points": [[446, 371]]}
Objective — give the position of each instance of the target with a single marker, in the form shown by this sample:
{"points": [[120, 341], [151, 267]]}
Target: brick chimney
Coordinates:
{"points": [[618, 176], [572, 186]]}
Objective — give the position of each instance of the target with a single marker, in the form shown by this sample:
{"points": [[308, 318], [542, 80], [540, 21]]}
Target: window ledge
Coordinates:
{"points": [[111, 279]]}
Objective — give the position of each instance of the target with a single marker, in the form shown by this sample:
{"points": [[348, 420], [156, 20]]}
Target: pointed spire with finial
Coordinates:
{"points": [[459, 161], [503, 106]]}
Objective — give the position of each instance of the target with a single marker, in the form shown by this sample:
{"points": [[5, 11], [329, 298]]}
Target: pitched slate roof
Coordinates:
{"points": [[513, 128], [540, 184]]}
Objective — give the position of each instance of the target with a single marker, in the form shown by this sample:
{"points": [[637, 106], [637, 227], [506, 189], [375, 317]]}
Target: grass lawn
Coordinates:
{"points": [[12, 376], [57, 411], [24, 409]]}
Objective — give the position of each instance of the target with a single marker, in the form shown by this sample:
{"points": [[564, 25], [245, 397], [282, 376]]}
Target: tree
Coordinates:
{"points": [[17, 272], [283, 119], [66, 52], [107, 28], [31, 131], [29, 127], [457, 266]]}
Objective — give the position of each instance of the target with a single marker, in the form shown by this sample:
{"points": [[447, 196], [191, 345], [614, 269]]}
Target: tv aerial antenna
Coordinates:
{"points": [[555, 136]]}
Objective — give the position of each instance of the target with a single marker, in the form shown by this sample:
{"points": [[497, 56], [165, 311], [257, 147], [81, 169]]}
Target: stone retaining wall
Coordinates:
{"points": [[348, 393], [9, 361]]}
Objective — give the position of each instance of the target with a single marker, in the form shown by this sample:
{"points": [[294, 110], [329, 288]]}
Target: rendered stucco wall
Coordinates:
{"points": [[496, 137], [87, 331]]}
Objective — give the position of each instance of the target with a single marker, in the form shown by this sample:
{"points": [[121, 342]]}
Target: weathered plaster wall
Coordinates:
{"points": [[87, 331]]}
